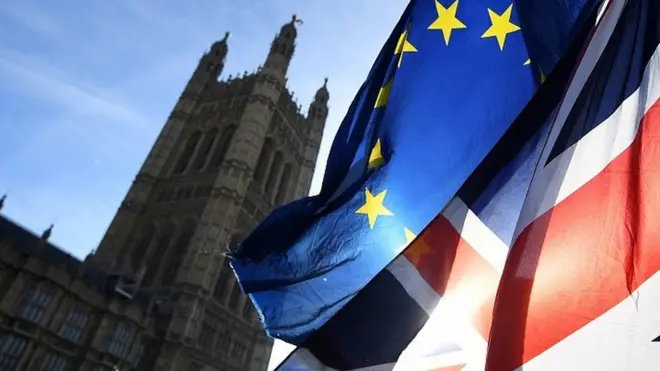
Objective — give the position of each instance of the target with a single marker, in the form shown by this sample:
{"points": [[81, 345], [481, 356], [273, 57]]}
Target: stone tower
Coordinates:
{"points": [[229, 152]]}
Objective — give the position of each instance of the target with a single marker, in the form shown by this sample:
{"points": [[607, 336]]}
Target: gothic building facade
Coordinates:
{"points": [[230, 152]]}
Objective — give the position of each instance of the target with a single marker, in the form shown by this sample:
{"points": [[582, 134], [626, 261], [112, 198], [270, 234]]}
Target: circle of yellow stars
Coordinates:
{"points": [[447, 22]]}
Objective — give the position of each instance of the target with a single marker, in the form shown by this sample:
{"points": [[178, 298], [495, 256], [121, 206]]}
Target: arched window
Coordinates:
{"points": [[221, 147], [142, 246], [203, 153], [284, 185], [274, 173], [220, 288], [162, 245], [177, 253], [187, 153], [264, 159]]}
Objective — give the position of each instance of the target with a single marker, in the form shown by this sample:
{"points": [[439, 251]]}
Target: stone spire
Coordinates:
{"points": [[282, 49], [46, 234], [322, 95]]}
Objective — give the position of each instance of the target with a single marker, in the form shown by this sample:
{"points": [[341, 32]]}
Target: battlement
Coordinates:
{"points": [[229, 96], [230, 87], [289, 106]]}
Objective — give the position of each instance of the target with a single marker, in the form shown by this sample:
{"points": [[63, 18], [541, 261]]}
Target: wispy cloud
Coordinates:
{"points": [[34, 19], [83, 111], [39, 80], [86, 87]]}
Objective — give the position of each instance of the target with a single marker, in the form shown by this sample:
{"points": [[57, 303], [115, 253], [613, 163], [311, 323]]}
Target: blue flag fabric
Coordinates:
{"points": [[362, 334], [448, 83]]}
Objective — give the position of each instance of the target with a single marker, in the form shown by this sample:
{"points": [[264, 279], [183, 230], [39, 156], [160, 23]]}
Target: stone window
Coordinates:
{"points": [[119, 339], [238, 351], [74, 325], [284, 185], [178, 253], [208, 333], [162, 245], [264, 159], [34, 303], [186, 154], [221, 147], [138, 354], [142, 246], [55, 362], [11, 350], [274, 173], [205, 149], [206, 337]]}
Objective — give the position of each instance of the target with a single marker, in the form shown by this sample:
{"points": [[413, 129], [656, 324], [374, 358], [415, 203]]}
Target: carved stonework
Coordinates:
{"points": [[213, 198]]}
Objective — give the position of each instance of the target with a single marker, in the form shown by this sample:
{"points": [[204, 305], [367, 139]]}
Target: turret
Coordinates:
{"points": [[318, 110], [241, 157], [210, 66], [46, 234], [282, 49], [316, 117], [43, 240]]}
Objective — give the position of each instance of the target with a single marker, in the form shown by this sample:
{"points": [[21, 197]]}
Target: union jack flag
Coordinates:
{"points": [[548, 257]]}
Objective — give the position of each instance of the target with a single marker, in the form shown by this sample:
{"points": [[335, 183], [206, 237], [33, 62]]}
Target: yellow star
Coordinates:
{"points": [[383, 95], [418, 249], [373, 207], [403, 46], [501, 26], [527, 62], [447, 21], [376, 158]]}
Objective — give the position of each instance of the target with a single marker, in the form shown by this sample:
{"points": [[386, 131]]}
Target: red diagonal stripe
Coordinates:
{"points": [[455, 268], [583, 257]]}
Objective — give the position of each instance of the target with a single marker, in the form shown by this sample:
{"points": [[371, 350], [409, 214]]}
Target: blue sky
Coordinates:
{"points": [[85, 87]]}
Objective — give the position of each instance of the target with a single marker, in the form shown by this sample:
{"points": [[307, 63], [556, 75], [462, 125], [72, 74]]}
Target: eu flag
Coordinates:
{"points": [[449, 81]]}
